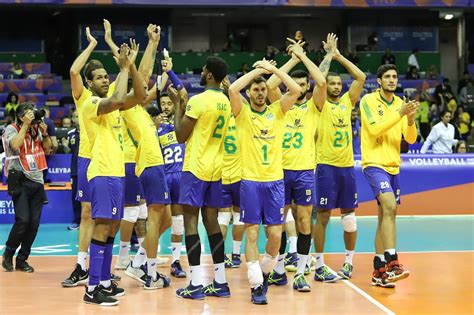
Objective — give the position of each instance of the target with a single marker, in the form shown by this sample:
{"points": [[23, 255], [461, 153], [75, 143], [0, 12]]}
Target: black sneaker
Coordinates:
{"points": [[99, 297], [7, 261], [77, 277], [115, 277], [24, 266], [113, 290]]}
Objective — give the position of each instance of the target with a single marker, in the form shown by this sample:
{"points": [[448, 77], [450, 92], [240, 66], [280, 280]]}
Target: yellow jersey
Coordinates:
{"points": [[84, 146], [334, 146], [205, 146], [130, 144], [143, 130], [232, 167], [381, 132], [105, 139], [261, 136], [298, 139]]}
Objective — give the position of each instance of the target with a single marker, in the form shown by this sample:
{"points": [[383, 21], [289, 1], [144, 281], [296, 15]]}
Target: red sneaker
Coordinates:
{"points": [[396, 272], [380, 278]]}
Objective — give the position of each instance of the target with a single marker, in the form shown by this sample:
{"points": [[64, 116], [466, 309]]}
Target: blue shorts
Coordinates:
{"points": [[198, 193], [83, 194], [231, 195], [173, 181], [107, 197], [299, 186], [262, 202], [154, 185], [133, 186], [335, 187], [382, 182]]}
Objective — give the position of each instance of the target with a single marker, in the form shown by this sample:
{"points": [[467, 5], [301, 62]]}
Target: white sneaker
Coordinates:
{"points": [[138, 274], [161, 260], [121, 264]]}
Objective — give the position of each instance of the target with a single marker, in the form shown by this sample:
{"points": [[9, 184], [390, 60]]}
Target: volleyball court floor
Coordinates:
{"points": [[438, 251]]}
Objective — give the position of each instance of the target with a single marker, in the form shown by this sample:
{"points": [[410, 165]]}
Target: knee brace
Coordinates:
{"points": [[349, 222], [143, 213], [236, 218], [224, 218], [289, 216], [130, 214], [177, 225]]}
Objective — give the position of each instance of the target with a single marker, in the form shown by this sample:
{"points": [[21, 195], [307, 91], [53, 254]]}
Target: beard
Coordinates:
{"points": [[334, 94], [388, 89], [302, 97]]}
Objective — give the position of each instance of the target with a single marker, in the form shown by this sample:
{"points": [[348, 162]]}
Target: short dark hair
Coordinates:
{"points": [[218, 67], [257, 80], [444, 112], [153, 111], [10, 96], [333, 74], [164, 94], [384, 68], [90, 67], [299, 74], [21, 109]]}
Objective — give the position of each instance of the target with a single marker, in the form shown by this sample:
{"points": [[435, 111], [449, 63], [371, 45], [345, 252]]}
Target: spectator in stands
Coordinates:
{"points": [[432, 73], [26, 143], [353, 57], [320, 54], [51, 131], [412, 61], [466, 97], [355, 120], [441, 91], [17, 71], [463, 122], [243, 70], [11, 104], [66, 122], [72, 145], [422, 117], [388, 58], [412, 74], [372, 41], [441, 136], [462, 147], [463, 81], [299, 37], [270, 52]]}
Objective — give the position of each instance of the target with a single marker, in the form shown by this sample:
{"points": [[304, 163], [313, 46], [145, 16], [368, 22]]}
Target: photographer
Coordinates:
{"points": [[25, 142]]}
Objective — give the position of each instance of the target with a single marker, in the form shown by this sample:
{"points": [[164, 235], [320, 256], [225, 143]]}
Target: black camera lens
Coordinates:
{"points": [[39, 114]]}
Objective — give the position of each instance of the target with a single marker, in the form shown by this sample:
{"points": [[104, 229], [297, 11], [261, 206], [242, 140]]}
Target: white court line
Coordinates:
{"points": [[442, 216], [368, 297]]}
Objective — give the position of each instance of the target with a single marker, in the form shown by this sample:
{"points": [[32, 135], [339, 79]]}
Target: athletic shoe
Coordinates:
{"points": [[191, 292], [258, 295], [300, 283], [324, 274], [113, 290], [73, 227], [236, 260], [176, 270], [396, 272], [291, 260], [217, 289], [161, 281], [77, 277], [380, 278], [99, 297], [115, 277], [24, 266], [346, 271], [228, 263], [121, 264], [138, 274], [265, 282], [161, 260], [277, 279], [7, 261]]}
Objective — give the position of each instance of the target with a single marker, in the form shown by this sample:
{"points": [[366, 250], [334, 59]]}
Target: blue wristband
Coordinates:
{"points": [[175, 80]]}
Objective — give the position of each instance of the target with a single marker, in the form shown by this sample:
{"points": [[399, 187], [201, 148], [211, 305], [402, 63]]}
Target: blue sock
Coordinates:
{"points": [[109, 245], [97, 250]]}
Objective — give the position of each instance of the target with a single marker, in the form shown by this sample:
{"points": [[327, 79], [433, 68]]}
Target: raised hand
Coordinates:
{"points": [[28, 117], [409, 108], [289, 49], [167, 64], [268, 66], [225, 84], [296, 48], [154, 32], [108, 30], [134, 48], [90, 38], [122, 61], [330, 45]]}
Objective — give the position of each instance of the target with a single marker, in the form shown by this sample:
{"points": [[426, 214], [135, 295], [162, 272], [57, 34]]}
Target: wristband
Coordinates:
{"points": [[175, 80]]}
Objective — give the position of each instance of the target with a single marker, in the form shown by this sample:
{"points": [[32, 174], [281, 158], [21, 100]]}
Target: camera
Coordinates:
{"points": [[39, 114]]}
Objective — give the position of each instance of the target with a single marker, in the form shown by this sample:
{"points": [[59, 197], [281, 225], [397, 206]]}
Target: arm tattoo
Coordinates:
{"points": [[325, 65]]}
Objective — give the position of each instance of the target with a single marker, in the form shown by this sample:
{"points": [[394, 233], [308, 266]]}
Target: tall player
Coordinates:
{"points": [[203, 127], [335, 177], [385, 118], [80, 94], [298, 164], [106, 171], [260, 129]]}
